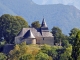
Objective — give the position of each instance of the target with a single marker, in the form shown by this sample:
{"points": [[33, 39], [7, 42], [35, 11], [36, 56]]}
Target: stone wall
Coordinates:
{"points": [[46, 40], [30, 41]]}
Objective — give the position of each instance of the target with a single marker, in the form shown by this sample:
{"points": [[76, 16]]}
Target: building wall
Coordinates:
{"points": [[46, 40], [17, 40], [30, 41]]}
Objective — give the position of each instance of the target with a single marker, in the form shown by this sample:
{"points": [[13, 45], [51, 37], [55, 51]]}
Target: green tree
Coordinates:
{"points": [[41, 56], [58, 35], [23, 52], [50, 50], [35, 24], [26, 57], [10, 26], [65, 43], [3, 56], [72, 35], [76, 47], [18, 51], [56, 31], [66, 55]]}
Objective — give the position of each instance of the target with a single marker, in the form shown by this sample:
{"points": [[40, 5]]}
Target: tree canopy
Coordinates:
{"points": [[35, 24], [10, 26], [3, 56], [76, 47], [56, 31], [72, 35]]}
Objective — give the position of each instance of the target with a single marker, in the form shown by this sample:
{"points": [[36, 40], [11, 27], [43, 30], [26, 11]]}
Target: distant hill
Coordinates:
{"points": [[64, 16]]}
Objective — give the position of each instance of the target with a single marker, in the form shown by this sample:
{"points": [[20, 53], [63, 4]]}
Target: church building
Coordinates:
{"points": [[35, 35]]}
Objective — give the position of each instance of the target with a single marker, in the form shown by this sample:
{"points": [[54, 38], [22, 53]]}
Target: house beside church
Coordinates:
{"points": [[32, 35]]}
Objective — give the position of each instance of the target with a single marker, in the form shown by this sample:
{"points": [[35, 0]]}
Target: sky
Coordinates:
{"points": [[76, 3]]}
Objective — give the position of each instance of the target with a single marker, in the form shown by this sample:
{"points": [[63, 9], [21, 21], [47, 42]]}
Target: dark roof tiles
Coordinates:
{"points": [[43, 23], [28, 34], [43, 31]]}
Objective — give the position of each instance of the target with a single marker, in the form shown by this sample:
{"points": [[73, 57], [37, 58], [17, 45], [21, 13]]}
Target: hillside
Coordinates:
{"points": [[64, 16]]}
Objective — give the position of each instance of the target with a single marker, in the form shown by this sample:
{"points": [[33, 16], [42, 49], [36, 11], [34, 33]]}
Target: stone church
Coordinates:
{"points": [[35, 35]]}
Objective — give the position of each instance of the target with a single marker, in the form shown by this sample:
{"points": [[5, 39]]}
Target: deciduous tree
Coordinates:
{"points": [[35, 24], [3, 56], [10, 26]]}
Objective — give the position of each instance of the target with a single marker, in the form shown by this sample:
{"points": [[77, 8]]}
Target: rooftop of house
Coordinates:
{"points": [[43, 31]]}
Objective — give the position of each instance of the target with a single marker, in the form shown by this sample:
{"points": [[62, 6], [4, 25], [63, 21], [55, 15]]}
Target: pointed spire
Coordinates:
{"points": [[43, 23], [29, 34]]}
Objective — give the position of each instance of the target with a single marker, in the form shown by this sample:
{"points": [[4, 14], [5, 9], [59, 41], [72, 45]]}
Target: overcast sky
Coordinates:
{"points": [[76, 3]]}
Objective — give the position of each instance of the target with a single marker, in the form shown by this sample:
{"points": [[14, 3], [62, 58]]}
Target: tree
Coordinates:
{"points": [[56, 31], [35, 24], [42, 56], [18, 51], [76, 47], [23, 52], [66, 55], [3, 56], [50, 51], [26, 57], [58, 35], [10, 26], [65, 43], [72, 35]]}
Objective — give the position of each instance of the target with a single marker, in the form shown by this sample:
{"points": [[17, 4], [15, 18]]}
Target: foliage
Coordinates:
{"points": [[39, 52], [22, 50], [59, 37], [10, 26], [66, 55], [3, 56], [76, 47], [42, 56], [72, 35], [35, 24], [26, 57], [65, 43], [57, 34], [50, 50], [18, 51]]}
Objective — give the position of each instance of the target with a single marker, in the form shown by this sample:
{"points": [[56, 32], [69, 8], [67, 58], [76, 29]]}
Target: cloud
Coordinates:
{"points": [[61, 1], [76, 3]]}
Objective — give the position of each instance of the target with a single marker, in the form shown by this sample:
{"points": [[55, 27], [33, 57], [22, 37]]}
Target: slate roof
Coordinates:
{"points": [[43, 31], [28, 34], [43, 23]]}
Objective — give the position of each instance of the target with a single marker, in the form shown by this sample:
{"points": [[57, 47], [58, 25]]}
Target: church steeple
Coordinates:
{"points": [[43, 23]]}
